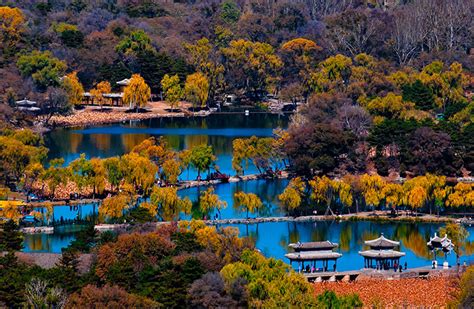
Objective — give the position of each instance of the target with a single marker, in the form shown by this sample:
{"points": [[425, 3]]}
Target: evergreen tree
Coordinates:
{"points": [[419, 94], [11, 239]]}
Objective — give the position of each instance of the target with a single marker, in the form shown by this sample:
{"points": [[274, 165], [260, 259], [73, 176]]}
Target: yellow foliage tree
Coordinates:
{"points": [[168, 204], [291, 197], [322, 191], [113, 207], [209, 201], [196, 89], [372, 189], [393, 194], [137, 93], [73, 88], [12, 27], [461, 196], [249, 202], [10, 210], [99, 91]]}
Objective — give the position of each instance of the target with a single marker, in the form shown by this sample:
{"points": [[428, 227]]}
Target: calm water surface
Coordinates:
{"points": [[272, 239], [181, 133], [219, 131]]}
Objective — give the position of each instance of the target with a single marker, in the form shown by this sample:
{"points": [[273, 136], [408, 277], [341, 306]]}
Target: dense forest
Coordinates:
{"points": [[388, 84]]}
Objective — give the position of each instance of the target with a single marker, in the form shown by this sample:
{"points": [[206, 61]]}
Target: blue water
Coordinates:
{"points": [[180, 133], [272, 240]]}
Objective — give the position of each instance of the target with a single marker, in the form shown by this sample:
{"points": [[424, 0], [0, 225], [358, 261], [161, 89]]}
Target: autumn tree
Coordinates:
{"points": [[73, 88], [55, 175], [251, 66], [137, 92], [107, 296], [99, 91], [113, 207], [12, 26], [167, 204], [197, 89], [372, 186], [462, 195], [323, 192], [139, 172], [293, 195], [171, 169], [249, 202], [172, 90], [205, 59], [208, 201]]}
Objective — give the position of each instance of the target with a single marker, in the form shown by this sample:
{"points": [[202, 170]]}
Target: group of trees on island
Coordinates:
{"points": [[430, 193], [151, 167]]}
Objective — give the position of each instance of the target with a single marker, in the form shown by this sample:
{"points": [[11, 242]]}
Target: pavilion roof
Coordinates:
{"points": [[313, 255], [124, 82], [440, 242], [25, 102], [313, 246], [382, 254], [382, 242]]}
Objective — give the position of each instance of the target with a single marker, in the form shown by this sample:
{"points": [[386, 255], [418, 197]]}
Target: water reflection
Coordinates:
{"points": [[273, 239], [180, 133]]}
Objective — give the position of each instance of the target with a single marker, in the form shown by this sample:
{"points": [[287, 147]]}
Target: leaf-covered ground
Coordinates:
{"points": [[433, 292]]}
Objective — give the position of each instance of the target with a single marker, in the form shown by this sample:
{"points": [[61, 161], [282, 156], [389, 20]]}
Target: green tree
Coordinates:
{"points": [[172, 90], [45, 69], [202, 158], [136, 42], [270, 282], [230, 12], [249, 202], [113, 172], [11, 239]]}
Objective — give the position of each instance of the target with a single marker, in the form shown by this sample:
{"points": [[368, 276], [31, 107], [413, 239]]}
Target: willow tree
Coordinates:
{"points": [[208, 201], [462, 195], [322, 192], [292, 196], [372, 189], [196, 89], [99, 91], [137, 93], [73, 88], [113, 207], [393, 194], [202, 158], [166, 203], [458, 235], [249, 202], [172, 90]]}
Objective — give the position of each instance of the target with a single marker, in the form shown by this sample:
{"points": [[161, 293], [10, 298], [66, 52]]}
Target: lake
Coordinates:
{"points": [[272, 239], [217, 130]]}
